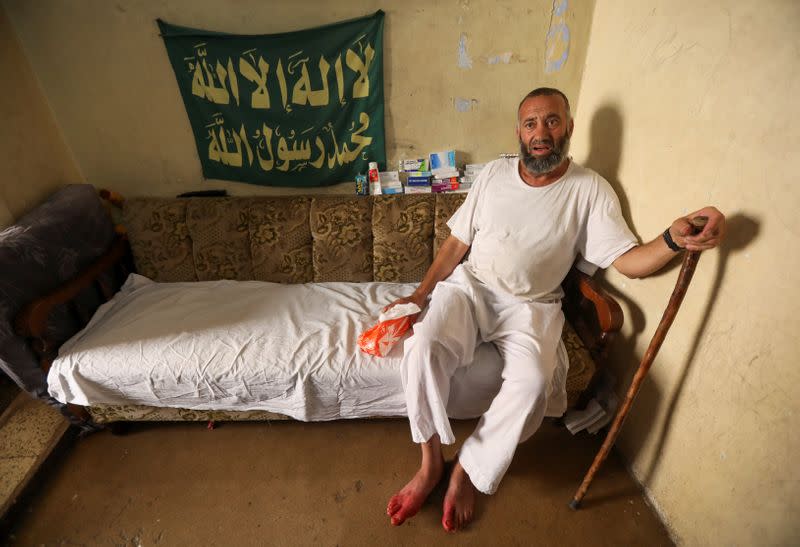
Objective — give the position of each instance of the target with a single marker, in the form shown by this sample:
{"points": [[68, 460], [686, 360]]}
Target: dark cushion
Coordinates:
{"points": [[39, 253]]}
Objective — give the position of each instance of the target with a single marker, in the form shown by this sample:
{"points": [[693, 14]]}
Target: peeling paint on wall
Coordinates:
{"points": [[556, 45], [504, 58], [464, 60], [465, 105]]}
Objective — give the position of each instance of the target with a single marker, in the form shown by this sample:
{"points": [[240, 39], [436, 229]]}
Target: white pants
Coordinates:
{"points": [[462, 312]]}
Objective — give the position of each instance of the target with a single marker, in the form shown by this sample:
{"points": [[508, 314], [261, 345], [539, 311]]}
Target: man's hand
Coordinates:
{"points": [[419, 300], [643, 260], [450, 254], [710, 237]]}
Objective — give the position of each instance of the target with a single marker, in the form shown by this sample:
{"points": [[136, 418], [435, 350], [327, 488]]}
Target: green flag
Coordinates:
{"points": [[299, 109]]}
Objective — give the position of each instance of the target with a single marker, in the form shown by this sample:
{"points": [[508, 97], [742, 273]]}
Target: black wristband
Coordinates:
{"points": [[670, 242]]}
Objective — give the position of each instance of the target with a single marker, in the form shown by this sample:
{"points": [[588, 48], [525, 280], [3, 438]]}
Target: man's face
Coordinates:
{"points": [[544, 132]]}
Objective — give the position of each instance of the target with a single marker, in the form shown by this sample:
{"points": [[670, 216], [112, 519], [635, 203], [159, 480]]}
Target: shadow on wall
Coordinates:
{"points": [[605, 152], [604, 157], [742, 230]]}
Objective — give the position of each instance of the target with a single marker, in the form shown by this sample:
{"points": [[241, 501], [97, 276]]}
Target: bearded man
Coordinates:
{"points": [[526, 221]]}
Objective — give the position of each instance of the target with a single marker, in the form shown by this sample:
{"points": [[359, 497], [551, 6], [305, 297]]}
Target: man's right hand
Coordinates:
{"points": [[450, 254], [415, 298]]}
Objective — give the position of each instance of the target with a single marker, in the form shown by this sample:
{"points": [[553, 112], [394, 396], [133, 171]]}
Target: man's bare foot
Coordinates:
{"points": [[408, 501], [459, 501]]}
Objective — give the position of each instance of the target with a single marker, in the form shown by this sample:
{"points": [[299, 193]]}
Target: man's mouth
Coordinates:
{"points": [[540, 148]]}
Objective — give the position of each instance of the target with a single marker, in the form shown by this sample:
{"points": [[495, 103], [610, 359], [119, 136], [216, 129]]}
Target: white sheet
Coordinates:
{"points": [[247, 345]]}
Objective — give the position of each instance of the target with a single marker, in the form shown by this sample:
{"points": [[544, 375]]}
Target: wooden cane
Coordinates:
{"points": [[681, 285]]}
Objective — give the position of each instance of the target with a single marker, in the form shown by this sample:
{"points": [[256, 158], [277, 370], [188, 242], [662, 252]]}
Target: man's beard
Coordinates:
{"points": [[545, 164]]}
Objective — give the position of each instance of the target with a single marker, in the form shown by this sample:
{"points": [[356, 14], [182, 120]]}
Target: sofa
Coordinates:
{"points": [[385, 243]]}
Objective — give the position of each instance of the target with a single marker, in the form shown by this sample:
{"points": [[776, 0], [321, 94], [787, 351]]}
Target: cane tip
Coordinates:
{"points": [[574, 504]]}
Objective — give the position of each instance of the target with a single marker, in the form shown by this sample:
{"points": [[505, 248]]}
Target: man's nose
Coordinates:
{"points": [[541, 132]]}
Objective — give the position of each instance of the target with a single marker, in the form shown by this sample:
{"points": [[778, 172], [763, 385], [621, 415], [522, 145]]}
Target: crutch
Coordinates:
{"points": [[684, 278]]}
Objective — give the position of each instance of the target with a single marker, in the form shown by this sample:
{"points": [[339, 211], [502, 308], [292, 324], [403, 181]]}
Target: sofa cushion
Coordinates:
{"points": [[341, 227], [220, 238], [402, 228], [280, 239], [159, 237], [446, 206]]}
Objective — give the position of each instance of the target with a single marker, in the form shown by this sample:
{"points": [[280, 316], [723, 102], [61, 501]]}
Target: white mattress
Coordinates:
{"points": [[251, 345]]}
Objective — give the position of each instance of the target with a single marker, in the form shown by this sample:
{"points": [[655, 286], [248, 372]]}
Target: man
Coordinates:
{"points": [[526, 221]]}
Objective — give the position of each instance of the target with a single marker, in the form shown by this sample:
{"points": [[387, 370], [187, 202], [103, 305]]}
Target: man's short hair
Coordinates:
{"points": [[539, 91]]}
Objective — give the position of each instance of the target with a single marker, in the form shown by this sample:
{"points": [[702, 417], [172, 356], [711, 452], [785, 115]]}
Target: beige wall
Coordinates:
{"points": [[35, 160], [105, 71], [683, 104]]}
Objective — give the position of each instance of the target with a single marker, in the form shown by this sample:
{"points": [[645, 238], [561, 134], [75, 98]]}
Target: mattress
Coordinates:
{"points": [[252, 345]]}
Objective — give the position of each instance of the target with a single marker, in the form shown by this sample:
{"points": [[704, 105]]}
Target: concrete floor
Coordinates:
{"points": [[292, 483], [29, 430]]}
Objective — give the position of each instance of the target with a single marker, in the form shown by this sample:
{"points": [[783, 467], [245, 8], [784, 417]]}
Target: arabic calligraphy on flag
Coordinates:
{"points": [[301, 109]]}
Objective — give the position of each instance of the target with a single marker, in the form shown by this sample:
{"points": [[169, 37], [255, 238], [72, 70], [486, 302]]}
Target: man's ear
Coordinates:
{"points": [[571, 128]]}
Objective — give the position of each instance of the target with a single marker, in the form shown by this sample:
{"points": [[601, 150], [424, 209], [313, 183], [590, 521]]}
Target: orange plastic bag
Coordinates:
{"points": [[390, 328]]}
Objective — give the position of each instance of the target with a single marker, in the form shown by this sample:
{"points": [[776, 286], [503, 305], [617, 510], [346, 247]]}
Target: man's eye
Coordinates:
{"points": [[552, 122]]}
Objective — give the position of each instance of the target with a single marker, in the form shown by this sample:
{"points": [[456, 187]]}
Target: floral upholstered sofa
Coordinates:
{"points": [[295, 240]]}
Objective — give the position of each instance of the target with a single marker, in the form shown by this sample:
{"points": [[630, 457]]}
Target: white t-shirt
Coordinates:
{"points": [[524, 239]]}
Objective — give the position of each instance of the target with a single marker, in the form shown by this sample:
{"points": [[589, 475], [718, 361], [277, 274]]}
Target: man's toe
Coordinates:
{"points": [[403, 514], [449, 519]]}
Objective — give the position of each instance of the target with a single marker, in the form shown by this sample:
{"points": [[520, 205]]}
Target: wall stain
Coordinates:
{"points": [[556, 44], [464, 105], [504, 58], [464, 60]]}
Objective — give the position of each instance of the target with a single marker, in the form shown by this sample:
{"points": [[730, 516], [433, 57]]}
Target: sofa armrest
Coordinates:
{"points": [[105, 276], [593, 313]]}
